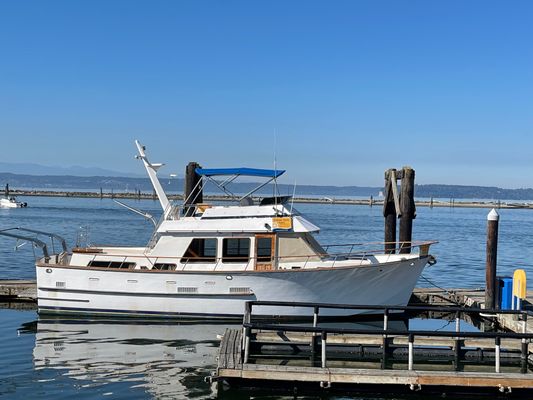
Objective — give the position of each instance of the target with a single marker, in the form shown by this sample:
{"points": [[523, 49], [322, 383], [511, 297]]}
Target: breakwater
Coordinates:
{"points": [[308, 200]]}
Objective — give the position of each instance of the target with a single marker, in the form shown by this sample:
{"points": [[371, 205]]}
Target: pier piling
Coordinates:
{"points": [[389, 212], [193, 188], [492, 253], [407, 209]]}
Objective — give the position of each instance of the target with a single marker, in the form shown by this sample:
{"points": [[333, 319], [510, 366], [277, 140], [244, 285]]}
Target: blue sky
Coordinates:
{"points": [[339, 90]]}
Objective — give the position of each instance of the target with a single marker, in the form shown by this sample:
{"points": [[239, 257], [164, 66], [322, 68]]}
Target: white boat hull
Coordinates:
{"points": [[222, 294]]}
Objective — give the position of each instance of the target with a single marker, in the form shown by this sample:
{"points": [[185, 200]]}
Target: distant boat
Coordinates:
{"points": [[11, 201]]}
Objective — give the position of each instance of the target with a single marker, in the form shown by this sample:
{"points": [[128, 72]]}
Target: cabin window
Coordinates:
{"points": [[111, 264], [164, 266], [235, 250], [201, 251], [264, 249]]}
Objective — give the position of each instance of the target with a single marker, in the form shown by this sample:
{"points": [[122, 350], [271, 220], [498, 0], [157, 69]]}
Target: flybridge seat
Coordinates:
{"points": [[234, 173], [266, 201]]}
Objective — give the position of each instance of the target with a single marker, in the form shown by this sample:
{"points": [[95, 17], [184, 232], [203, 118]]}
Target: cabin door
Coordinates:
{"points": [[265, 251]]}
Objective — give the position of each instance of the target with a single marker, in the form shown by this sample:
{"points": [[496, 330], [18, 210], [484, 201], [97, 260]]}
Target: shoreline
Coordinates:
{"points": [[305, 200]]}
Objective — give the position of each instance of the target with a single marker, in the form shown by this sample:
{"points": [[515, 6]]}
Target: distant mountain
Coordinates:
{"points": [[75, 170], [175, 185]]}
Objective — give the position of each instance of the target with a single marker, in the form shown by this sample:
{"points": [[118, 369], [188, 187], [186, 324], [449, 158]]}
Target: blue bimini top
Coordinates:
{"points": [[264, 173]]}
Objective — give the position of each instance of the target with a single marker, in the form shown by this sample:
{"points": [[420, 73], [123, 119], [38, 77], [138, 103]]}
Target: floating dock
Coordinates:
{"points": [[318, 357], [18, 290]]}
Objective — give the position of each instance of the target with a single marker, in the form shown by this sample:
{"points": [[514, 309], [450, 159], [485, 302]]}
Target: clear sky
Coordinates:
{"points": [[341, 89]]}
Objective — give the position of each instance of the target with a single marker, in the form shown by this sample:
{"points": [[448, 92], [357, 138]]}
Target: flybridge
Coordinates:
{"points": [[195, 178]]}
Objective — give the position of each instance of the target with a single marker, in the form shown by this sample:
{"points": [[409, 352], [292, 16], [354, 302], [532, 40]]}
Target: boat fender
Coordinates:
{"points": [[504, 389], [325, 385], [432, 260], [210, 378]]}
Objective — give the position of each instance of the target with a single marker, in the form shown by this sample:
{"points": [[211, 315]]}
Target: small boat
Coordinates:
{"points": [[206, 260], [10, 201]]}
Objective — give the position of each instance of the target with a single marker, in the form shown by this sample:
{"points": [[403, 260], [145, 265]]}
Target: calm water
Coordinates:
{"points": [[64, 359]]}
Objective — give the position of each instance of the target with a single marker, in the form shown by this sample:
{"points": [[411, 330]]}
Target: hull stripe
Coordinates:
{"points": [[59, 299], [139, 294]]}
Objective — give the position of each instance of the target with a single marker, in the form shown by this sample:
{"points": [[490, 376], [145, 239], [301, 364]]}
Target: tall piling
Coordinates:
{"points": [[193, 193], [492, 253], [389, 212], [7, 191], [407, 209]]}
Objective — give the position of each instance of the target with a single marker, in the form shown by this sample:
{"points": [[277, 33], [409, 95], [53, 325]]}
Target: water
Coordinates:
{"points": [[67, 358]]}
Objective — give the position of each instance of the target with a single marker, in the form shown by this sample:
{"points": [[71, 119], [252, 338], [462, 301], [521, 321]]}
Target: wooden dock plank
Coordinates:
{"points": [[373, 340], [25, 290], [223, 350], [231, 348], [378, 376]]}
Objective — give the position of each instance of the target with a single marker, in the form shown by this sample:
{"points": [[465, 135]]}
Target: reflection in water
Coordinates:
{"points": [[166, 360]]}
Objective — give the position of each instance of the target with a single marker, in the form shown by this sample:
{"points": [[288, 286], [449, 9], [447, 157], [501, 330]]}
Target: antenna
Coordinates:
{"points": [[275, 172], [293, 194]]}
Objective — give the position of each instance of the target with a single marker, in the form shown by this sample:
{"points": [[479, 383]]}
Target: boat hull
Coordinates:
{"points": [[222, 294]]}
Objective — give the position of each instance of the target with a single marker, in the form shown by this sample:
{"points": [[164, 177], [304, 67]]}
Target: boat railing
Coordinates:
{"points": [[34, 239], [326, 260], [319, 333]]}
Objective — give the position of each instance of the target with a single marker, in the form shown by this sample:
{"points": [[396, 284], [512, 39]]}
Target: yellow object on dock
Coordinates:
{"points": [[519, 284]]}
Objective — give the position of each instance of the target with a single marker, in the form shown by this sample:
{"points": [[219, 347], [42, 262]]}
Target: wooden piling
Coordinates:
{"points": [[407, 209], [193, 188], [101, 193], [389, 212], [492, 253]]}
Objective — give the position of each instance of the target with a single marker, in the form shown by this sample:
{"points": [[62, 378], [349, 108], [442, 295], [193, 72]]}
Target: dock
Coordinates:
{"points": [[18, 290], [313, 358]]}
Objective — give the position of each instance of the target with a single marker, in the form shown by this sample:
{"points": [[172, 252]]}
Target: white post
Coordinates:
{"points": [[324, 338], [411, 351], [497, 354]]}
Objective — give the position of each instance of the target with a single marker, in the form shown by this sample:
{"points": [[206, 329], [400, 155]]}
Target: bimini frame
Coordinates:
{"points": [[234, 173]]}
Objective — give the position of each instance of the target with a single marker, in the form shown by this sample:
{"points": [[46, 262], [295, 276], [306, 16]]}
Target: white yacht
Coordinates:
{"points": [[207, 260]]}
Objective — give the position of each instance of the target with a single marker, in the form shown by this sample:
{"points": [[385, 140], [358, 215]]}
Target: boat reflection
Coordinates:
{"points": [[165, 360]]}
